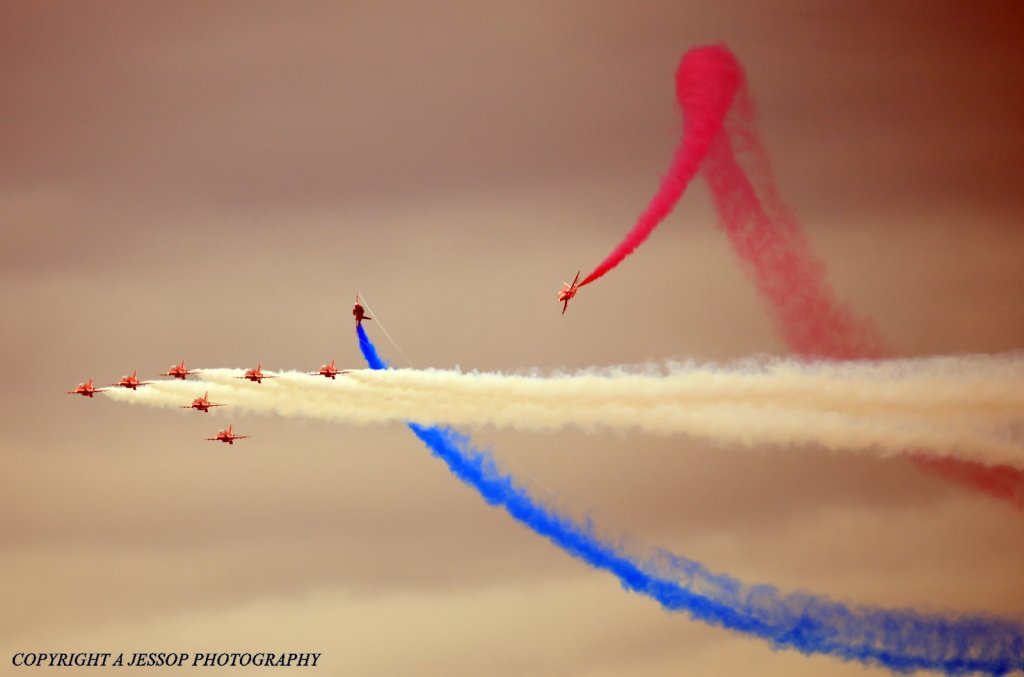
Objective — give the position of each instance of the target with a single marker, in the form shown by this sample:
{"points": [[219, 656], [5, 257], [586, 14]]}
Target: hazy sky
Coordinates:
{"points": [[213, 181]]}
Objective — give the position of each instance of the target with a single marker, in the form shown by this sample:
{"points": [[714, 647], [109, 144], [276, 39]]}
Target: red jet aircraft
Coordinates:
{"points": [[568, 291], [86, 389], [178, 371], [256, 374], [358, 311], [132, 381], [201, 403], [227, 435], [329, 371]]}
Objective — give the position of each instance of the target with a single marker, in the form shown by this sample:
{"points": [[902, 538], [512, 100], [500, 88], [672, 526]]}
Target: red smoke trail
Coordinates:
{"points": [[719, 131], [1000, 481], [767, 236], [706, 80]]}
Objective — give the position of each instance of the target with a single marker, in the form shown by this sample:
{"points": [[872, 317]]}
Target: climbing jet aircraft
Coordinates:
{"points": [[358, 312]]}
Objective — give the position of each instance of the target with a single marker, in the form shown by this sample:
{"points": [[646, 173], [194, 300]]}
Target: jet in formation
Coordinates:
{"points": [[256, 375], [178, 371], [132, 381], [329, 371], [201, 403], [86, 389], [227, 435]]}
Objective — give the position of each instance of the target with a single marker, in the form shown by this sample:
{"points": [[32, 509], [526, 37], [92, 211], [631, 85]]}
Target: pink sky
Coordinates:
{"points": [[214, 181]]}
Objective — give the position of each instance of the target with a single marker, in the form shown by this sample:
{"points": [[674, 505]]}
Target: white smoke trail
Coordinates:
{"points": [[971, 407]]}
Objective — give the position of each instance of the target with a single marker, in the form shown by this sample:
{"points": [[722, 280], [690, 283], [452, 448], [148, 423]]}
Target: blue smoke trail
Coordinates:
{"points": [[902, 640]]}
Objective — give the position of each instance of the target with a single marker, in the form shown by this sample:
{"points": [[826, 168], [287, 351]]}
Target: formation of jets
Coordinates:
{"points": [[203, 404]]}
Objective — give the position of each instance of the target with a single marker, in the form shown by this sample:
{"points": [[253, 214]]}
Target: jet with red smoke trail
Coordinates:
{"points": [[707, 80], [569, 291], [202, 403], [86, 389], [178, 371], [358, 312], [227, 436], [329, 371], [132, 381], [255, 375]]}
